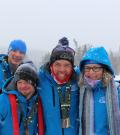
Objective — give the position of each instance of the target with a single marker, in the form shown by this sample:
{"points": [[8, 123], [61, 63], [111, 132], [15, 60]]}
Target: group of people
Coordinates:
{"points": [[60, 98]]}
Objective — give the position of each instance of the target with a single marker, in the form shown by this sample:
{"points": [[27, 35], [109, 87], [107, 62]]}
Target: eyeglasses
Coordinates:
{"points": [[63, 48], [95, 68]]}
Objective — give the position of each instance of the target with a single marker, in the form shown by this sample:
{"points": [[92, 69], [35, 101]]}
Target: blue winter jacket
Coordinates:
{"points": [[6, 125], [51, 105], [100, 116], [4, 70]]}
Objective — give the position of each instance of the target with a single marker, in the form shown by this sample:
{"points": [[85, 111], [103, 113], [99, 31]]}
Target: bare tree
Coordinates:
{"points": [[80, 51]]}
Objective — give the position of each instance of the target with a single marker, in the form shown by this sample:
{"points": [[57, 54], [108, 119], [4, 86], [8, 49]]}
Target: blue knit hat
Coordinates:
{"points": [[17, 45]]}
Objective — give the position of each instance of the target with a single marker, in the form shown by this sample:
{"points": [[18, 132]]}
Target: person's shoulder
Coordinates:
{"points": [[4, 105], [117, 86], [44, 68], [41, 71], [77, 70], [76, 73], [3, 57], [3, 98]]}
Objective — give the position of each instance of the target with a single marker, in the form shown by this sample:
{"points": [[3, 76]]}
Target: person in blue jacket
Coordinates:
{"points": [[21, 109], [9, 62], [99, 98], [59, 91]]}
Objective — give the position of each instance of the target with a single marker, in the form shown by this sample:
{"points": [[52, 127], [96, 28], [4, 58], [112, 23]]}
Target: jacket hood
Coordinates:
{"points": [[99, 55], [9, 86]]}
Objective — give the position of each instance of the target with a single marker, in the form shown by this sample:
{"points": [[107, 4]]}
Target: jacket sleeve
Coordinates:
{"points": [[1, 76], [4, 105], [118, 88]]}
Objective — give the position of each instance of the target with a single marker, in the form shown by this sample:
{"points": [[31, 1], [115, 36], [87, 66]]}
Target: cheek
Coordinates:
{"points": [[55, 70], [94, 76], [22, 87], [86, 74], [69, 71], [21, 56], [100, 74], [10, 54]]}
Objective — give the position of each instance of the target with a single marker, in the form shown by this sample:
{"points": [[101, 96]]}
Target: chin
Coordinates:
{"points": [[16, 63], [61, 79]]}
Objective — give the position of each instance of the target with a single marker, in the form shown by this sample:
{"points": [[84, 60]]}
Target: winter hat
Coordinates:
{"points": [[97, 55], [27, 72], [90, 62], [62, 51], [17, 45]]}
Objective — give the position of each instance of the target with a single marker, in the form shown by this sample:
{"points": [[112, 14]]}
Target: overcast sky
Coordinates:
{"points": [[41, 23]]}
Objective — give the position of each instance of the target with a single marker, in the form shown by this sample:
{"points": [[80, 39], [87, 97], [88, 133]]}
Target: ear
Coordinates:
{"points": [[51, 67]]}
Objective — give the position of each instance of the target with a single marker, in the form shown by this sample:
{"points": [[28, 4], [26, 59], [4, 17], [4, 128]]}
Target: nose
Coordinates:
{"points": [[91, 70], [22, 85], [62, 68]]}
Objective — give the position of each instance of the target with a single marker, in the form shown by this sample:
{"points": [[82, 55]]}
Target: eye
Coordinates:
{"points": [[57, 64], [96, 69], [68, 66], [87, 68]]}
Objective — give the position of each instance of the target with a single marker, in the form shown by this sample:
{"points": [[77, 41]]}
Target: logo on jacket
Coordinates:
{"points": [[102, 100]]}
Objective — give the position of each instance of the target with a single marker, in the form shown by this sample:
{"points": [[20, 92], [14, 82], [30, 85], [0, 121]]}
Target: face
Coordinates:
{"points": [[15, 57], [93, 71], [25, 88], [62, 69]]}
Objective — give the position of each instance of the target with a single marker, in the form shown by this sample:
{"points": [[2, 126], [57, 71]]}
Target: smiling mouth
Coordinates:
{"points": [[16, 59], [62, 74]]}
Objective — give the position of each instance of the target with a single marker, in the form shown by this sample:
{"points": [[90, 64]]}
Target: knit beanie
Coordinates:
{"points": [[62, 52], [28, 72], [17, 45]]}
